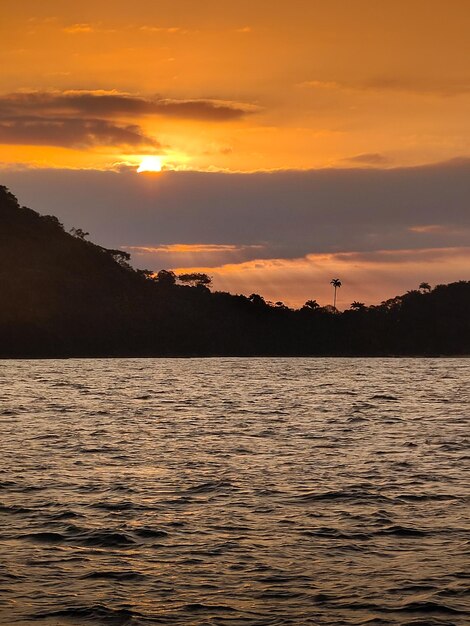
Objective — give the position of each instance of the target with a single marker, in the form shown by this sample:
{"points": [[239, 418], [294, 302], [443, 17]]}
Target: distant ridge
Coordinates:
{"points": [[63, 296]]}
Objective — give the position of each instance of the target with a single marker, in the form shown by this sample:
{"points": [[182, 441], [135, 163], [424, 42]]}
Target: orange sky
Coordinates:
{"points": [[324, 82], [234, 86]]}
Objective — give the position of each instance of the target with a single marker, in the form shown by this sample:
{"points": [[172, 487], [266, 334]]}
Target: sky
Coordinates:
{"points": [[298, 141]]}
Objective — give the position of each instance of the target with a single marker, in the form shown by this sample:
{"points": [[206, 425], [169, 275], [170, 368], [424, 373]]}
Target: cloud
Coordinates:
{"points": [[80, 119], [110, 103], [79, 29], [367, 277], [210, 110], [71, 132], [428, 228], [369, 159], [403, 257], [170, 30], [446, 87], [416, 85], [289, 213], [380, 230], [323, 84], [171, 255], [193, 248]]}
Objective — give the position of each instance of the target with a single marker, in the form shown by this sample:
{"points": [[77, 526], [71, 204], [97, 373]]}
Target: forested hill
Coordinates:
{"points": [[62, 295]]}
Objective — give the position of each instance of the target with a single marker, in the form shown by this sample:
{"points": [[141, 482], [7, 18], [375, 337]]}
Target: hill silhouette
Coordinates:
{"points": [[65, 296]]}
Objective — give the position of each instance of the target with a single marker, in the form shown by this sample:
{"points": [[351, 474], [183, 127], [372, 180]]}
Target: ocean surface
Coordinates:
{"points": [[229, 492]]}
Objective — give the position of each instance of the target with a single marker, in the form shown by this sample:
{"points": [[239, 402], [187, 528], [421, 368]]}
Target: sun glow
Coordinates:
{"points": [[150, 164]]}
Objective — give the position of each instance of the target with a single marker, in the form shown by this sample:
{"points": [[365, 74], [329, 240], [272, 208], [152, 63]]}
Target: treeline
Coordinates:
{"points": [[62, 295]]}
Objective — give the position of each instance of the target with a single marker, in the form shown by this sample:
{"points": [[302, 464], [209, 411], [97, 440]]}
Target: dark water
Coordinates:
{"points": [[234, 491]]}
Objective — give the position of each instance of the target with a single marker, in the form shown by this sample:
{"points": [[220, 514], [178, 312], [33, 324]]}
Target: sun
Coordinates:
{"points": [[150, 164]]}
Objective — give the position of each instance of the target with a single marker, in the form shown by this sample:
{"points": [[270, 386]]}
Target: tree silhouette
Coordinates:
{"points": [[425, 287], [257, 300], [145, 273], [195, 279], [79, 233], [336, 284], [166, 277], [357, 306], [311, 304], [119, 256]]}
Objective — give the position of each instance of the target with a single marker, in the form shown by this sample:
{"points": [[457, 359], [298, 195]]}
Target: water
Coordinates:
{"points": [[234, 491]]}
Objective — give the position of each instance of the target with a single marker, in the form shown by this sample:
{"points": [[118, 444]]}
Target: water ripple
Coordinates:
{"points": [[234, 492]]}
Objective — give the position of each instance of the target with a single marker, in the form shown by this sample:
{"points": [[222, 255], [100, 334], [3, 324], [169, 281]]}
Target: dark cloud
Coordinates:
{"points": [[287, 214], [71, 132], [81, 119], [110, 104], [202, 110], [395, 257]]}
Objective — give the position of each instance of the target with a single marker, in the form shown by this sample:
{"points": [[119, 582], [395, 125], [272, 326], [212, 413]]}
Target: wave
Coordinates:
{"points": [[114, 575], [196, 607], [209, 487], [402, 531], [342, 495], [98, 612], [14, 509], [60, 515], [106, 539], [102, 538], [383, 396], [149, 533], [334, 533], [423, 607], [7, 484], [44, 537], [416, 497], [114, 506], [95, 538]]}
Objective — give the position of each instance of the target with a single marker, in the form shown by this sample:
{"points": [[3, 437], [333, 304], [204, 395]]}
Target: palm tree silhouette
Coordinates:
{"points": [[336, 284]]}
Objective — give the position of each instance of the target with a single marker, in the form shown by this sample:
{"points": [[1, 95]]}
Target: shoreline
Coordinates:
{"points": [[234, 356]]}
